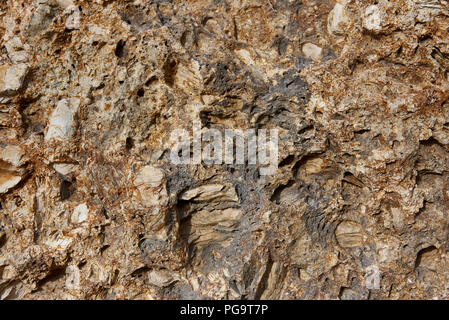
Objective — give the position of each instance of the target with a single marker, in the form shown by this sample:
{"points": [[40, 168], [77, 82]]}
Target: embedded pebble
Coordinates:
{"points": [[12, 78], [62, 120]]}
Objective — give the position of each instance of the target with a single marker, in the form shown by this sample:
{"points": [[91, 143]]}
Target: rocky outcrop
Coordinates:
{"points": [[92, 207]]}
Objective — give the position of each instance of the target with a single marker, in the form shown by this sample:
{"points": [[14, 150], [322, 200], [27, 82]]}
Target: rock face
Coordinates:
{"points": [[91, 207]]}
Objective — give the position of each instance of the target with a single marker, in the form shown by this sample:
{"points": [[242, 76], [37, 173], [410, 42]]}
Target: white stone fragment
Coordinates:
{"points": [[150, 176], [14, 155], [64, 168], [312, 51], [16, 51], [62, 120], [372, 18], [80, 214], [73, 18], [8, 182], [150, 186], [372, 277], [60, 243], [338, 20], [65, 3], [12, 78], [73, 277], [11, 159]]}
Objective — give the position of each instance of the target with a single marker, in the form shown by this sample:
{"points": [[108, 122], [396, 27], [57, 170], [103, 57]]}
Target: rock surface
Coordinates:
{"points": [[92, 208]]}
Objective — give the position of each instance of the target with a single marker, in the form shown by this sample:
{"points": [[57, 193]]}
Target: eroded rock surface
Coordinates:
{"points": [[92, 208]]}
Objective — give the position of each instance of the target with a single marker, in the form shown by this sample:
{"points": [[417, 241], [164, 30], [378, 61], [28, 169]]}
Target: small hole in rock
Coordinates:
{"points": [[120, 49], [140, 92], [129, 143]]}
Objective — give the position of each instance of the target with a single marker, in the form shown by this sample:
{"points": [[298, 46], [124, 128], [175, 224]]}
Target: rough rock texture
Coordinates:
{"points": [[92, 208]]}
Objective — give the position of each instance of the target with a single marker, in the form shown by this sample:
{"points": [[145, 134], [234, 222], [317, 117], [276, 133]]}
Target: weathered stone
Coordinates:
{"points": [[12, 78], [41, 19], [65, 169], [16, 50], [372, 19], [92, 207], [161, 278], [12, 159], [150, 184], [63, 120], [211, 193], [80, 214]]}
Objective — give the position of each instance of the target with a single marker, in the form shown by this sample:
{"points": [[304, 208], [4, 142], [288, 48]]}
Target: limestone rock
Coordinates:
{"points": [[93, 92], [63, 120], [339, 19], [372, 19], [80, 214], [12, 158], [349, 234], [12, 78]]}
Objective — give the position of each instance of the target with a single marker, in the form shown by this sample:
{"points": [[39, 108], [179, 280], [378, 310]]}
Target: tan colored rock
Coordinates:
{"points": [[92, 207], [12, 158], [65, 169], [12, 78], [80, 214], [349, 234], [161, 278], [338, 20], [150, 184], [372, 18], [211, 192]]}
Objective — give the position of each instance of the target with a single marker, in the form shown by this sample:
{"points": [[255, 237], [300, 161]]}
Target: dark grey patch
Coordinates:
{"points": [[277, 193], [328, 55], [229, 78], [222, 80], [41, 19], [355, 291], [263, 283], [316, 220], [292, 85], [135, 16], [242, 191], [367, 259], [302, 62], [250, 108], [348, 294], [281, 44], [287, 5], [162, 254], [2, 236], [277, 112], [178, 181]]}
